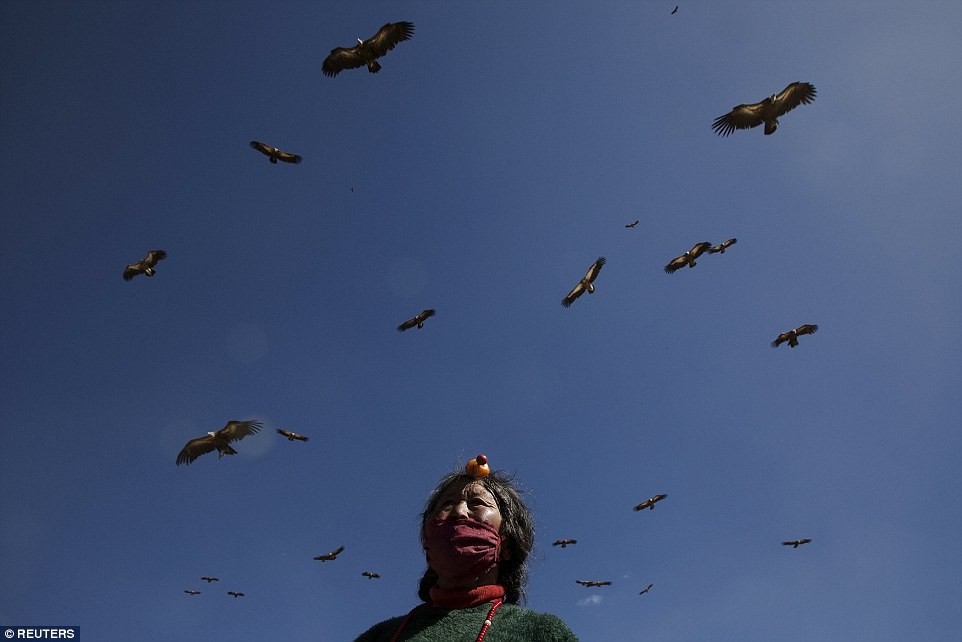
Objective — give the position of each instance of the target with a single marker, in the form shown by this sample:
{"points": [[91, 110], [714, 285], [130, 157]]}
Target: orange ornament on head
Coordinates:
{"points": [[477, 467]]}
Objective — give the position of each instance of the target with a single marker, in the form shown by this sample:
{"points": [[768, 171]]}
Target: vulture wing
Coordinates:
{"points": [[425, 314], [132, 270], [153, 257], [262, 148], [388, 36], [740, 117], [595, 268], [573, 295], [236, 430], [797, 93], [195, 448], [288, 157], [676, 264], [782, 338], [808, 328], [407, 325], [698, 249], [342, 58]]}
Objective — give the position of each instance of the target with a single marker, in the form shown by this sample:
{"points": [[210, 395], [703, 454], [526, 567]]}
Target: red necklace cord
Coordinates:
{"points": [[495, 604]]}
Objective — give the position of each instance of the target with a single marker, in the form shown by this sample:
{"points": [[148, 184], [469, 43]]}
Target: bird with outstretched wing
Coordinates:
{"points": [[366, 52], [219, 441], [586, 284], [765, 111]]}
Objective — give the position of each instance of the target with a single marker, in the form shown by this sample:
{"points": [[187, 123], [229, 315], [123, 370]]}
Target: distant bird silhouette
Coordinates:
{"points": [[593, 583], [219, 441], [646, 589], [366, 52], [766, 111], [370, 575], [416, 321], [146, 265], [715, 249], [792, 335], [291, 436], [650, 503], [563, 543], [631, 224], [275, 154], [189, 592], [235, 594], [795, 543], [675, 10], [210, 579], [688, 258], [585, 285], [327, 557]]}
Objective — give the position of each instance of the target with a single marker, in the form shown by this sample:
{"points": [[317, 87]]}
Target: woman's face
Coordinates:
{"points": [[468, 499]]}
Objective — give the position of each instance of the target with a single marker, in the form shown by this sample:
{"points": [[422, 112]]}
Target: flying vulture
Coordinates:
{"points": [[631, 224], [189, 592], [792, 335], [675, 10], [366, 52], [585, 285], [327, 557], [593, 583], [220, 441], [715, 249], [766, 111], [235, 594], [416, 321], [370, 575], [291, 436], [795, 543], [563, 543], [210, 579], [688, 258], [146, 266], [650, 503], [275, 154], [646, 589]]}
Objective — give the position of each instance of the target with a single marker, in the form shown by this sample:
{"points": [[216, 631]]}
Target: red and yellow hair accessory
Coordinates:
{"points": [[477, 467]]}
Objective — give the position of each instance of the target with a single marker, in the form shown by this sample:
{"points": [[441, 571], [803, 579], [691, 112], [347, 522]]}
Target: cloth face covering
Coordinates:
{"points": [[462, 549]]}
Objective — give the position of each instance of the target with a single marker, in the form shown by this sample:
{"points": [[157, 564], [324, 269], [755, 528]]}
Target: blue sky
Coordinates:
{"points": [[496, 155]]}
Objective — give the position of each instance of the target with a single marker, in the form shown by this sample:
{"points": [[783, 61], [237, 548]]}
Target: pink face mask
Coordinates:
{"points": [[462, 549]]}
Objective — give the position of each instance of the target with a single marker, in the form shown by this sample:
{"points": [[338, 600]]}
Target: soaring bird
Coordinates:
{"points": [[585, 285], [327, 557], [366, 52], [632, 224], [291, 436], [675, 10], [563, 543], [766, 111], [235, 594], [688, 258], [219, 441], [210, 579], [275, 154], [190, 592], [370, 575], [715, 249], [650, 503], [145, 266], [792, 335], [416, 321], [795, 543], [593, 583], [646, 589]]}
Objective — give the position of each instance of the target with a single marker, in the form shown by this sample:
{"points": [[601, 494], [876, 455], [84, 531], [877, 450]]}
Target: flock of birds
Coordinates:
{"points": [[650, 505], [366, 54]]}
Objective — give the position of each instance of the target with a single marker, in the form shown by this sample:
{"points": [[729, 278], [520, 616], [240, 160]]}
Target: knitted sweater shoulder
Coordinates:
{"points": [[511, 623]]}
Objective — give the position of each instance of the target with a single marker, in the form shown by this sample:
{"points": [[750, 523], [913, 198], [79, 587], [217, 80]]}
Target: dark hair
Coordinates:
{"points": [[516, 525]]}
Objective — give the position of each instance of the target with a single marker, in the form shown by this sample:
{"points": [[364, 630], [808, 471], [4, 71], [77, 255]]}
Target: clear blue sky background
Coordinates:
{"points": [[496, 155]]}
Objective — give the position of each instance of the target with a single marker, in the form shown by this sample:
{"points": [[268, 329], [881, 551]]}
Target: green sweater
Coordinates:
{"points": [[511, 623]]}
